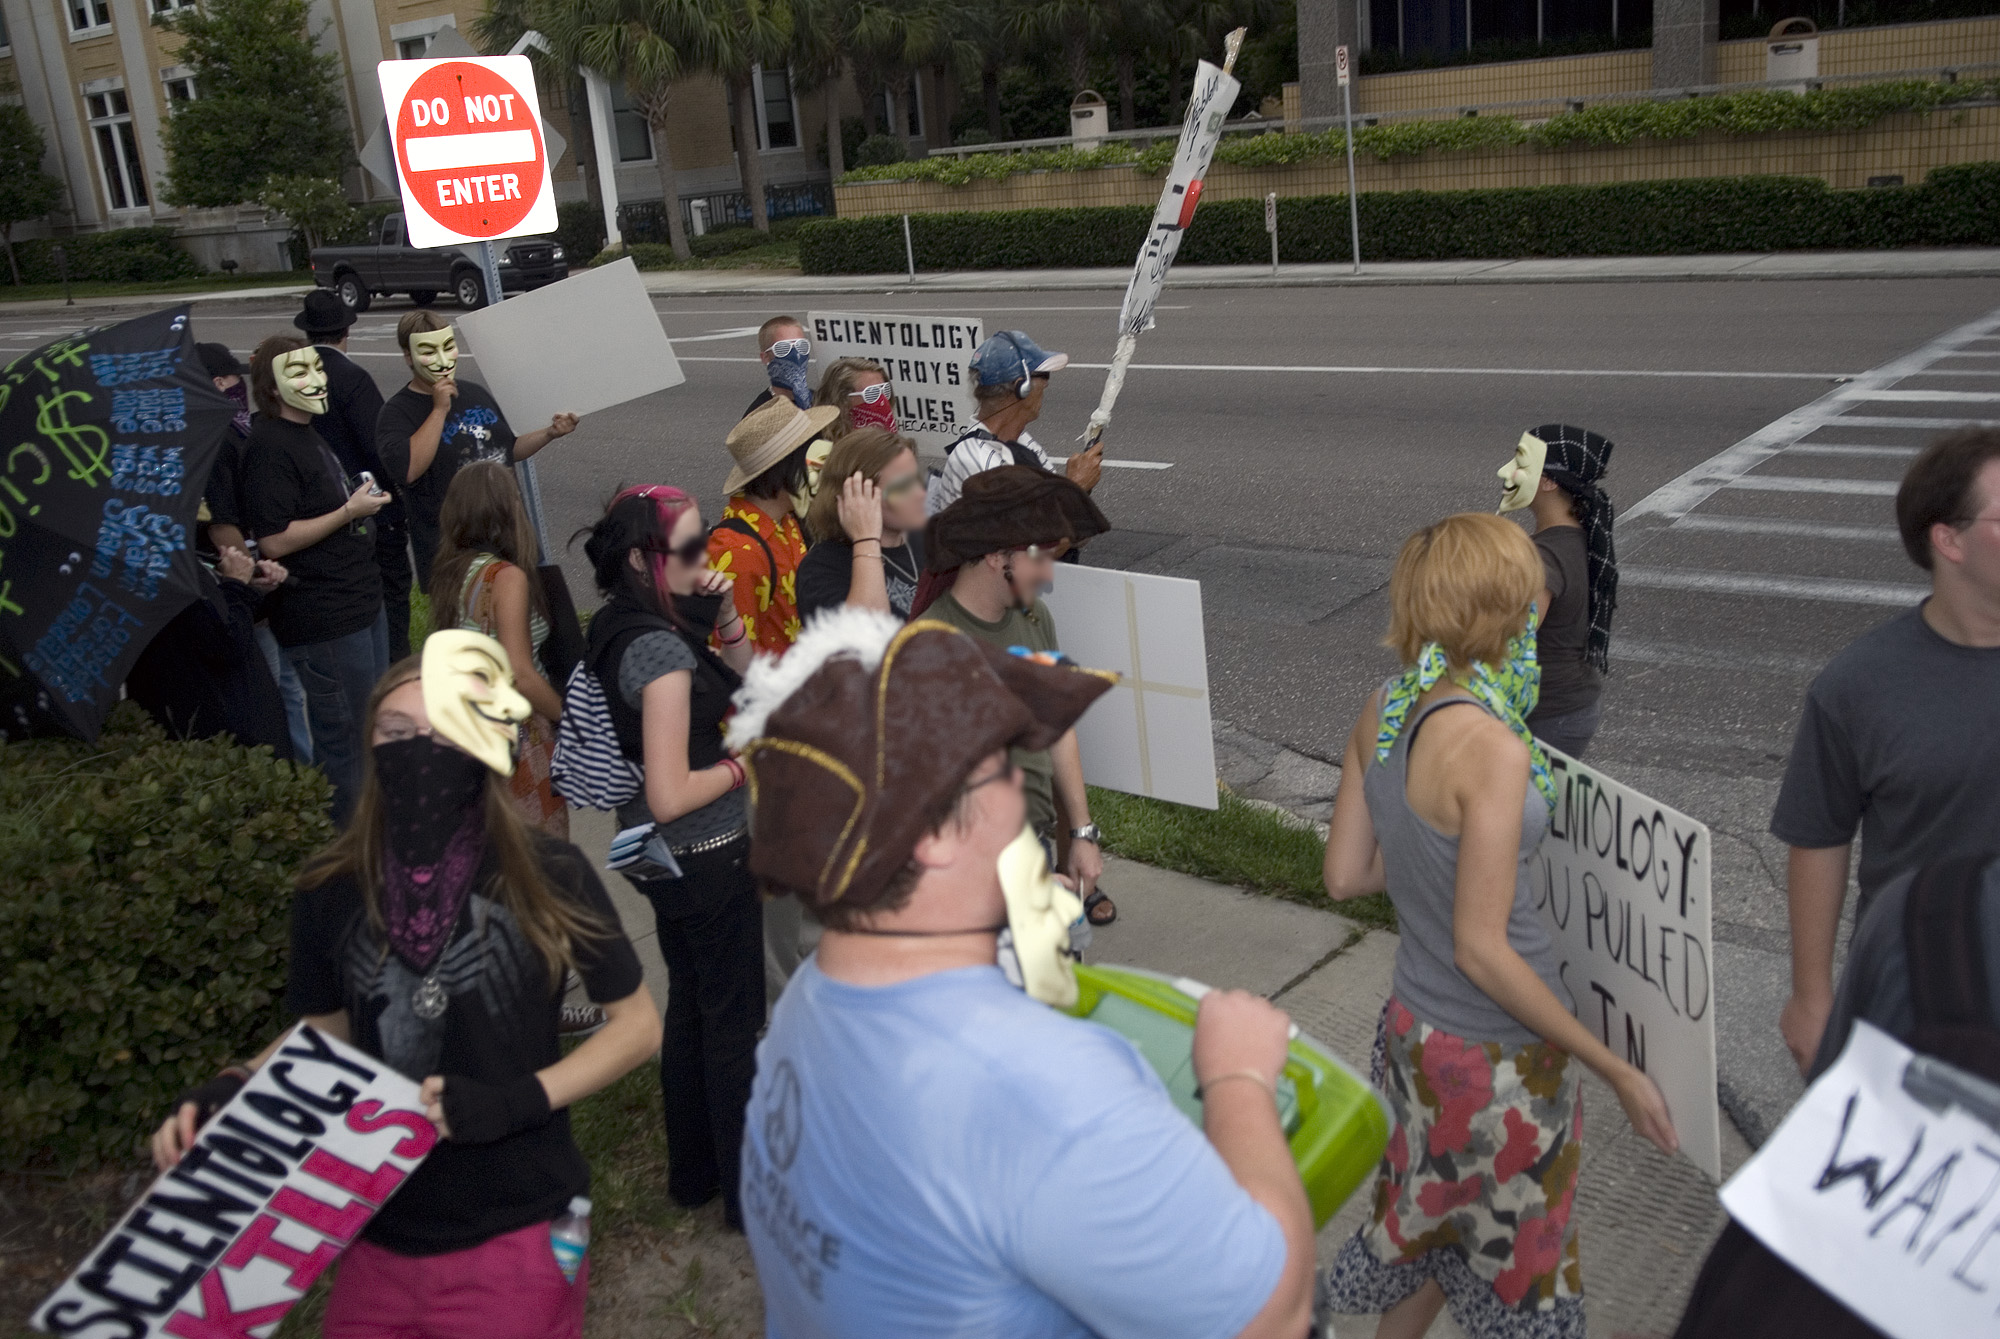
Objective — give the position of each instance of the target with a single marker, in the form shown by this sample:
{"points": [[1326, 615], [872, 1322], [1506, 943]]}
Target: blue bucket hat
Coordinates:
{"points": [[1010, 356]]}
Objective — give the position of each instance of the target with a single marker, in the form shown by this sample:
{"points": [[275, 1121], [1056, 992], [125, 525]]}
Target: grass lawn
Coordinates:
{"points": [[204, 283], [1237, 843]]}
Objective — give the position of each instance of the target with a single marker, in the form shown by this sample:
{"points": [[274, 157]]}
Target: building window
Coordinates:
{"points": [[164, 7], [88, 15], [412, 48], [635, 137], [178, 90], [117, 149], [901, 110], [5, 44], [777, 118]]}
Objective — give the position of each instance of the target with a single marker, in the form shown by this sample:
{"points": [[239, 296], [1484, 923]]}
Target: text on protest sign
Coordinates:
{"points": [[1888, 1204], [1623, 883], [470, 154], [1208, 106], [928, 360], [275, 1187]]}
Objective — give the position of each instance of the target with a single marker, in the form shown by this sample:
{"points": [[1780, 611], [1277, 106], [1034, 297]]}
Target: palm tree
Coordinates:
{"points": [[1078, 27], [752, 33], [820, 31], [646, 45]]}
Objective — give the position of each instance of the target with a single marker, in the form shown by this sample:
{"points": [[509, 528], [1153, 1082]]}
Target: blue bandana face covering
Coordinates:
{"points": [[788, 374]]}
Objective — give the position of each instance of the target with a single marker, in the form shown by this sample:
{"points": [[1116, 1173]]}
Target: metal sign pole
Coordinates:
{"points": [[524, 472], [1271, 226], [1353, 203]]}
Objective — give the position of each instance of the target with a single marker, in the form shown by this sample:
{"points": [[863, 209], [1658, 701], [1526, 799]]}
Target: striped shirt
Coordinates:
{"points": [[976, 452]]}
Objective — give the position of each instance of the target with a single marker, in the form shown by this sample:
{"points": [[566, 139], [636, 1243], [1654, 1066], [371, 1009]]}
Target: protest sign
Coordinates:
{"points": [[927, 358], [1884, 1196], [578, 346], [275, 1187], [1151, 735], [1623, 882]]}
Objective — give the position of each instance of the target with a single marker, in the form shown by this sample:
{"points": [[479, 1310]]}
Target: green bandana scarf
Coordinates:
{"points": [[1509, 690]]}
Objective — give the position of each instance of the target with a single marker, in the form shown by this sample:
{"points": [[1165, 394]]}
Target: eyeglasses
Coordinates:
{"points": [[1008, 771], [789, 346], [693, 553], [872, 394], [1055, 550], [898, 487]]}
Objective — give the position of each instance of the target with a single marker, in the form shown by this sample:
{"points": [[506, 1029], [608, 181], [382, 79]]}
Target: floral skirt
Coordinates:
{"points": [[535, 797], [1478, 1185]]}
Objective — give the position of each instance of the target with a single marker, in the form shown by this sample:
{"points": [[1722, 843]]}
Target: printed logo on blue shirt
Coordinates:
{"points": [[475, 422]]}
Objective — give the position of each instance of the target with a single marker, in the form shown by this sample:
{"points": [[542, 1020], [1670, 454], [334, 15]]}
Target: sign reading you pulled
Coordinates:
{"points": [[926, 358], [275, 1187], [1623, 882]]}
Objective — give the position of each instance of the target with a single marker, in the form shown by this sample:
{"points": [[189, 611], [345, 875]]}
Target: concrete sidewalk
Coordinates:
{"points": [[1937, 263], [1647, 1220]]}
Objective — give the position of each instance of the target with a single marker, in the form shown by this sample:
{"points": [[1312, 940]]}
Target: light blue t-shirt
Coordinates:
{"points": [[947, 1156]]}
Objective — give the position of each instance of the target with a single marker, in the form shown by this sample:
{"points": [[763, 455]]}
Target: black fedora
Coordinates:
{"points": [[325, 314]]}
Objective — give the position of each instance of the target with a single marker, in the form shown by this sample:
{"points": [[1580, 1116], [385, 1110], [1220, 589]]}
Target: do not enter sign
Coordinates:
{"points": [[469, 148]]}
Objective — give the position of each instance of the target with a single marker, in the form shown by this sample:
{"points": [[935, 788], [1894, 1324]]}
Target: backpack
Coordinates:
{"points": [[589, 768]]}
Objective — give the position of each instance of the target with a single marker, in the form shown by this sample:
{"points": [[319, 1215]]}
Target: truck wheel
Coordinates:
{"points": [[423, 297], [469, 289], [354, 294]]}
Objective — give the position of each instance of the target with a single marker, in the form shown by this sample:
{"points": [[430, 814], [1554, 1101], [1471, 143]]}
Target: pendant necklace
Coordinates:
{"points": [[909, 576], [430, 999]]}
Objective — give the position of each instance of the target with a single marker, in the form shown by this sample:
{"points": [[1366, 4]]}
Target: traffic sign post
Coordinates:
{"points": [[1271, 226], [1341, 72], [471, 157]]}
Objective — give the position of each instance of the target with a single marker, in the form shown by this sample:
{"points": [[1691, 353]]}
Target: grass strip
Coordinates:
{"points": [[1237, 843], [201, 283]]}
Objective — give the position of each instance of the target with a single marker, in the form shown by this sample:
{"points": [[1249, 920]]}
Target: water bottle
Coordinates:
{"points": [[569, 1237]]}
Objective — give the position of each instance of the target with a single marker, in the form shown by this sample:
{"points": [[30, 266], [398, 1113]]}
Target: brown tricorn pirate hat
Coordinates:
{"points": [[1010, 508], [851, 737]]}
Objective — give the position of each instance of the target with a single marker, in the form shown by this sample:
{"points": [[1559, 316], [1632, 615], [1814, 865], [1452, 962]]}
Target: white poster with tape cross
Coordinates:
{"points": [[1152, 734]]}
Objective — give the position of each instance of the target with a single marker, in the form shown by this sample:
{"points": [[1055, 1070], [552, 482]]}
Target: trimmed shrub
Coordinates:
{"points": [[579, 230], [880, 150], [123, 255], [145, 894], [1955, 206]]}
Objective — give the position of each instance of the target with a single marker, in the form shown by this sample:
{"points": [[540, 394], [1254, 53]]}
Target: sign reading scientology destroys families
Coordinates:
{"points": [[926, 358], [275, 1187], [1624, 883]]}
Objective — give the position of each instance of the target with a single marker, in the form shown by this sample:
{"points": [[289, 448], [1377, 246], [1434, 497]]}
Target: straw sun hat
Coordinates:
{"points": [[771, 432]]}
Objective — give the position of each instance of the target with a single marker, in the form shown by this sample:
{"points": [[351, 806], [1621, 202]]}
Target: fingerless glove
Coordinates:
{"points": [[213, 1096]]}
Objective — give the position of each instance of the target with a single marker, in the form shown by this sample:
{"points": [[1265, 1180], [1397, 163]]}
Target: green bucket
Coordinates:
{"points": [[1336, 1122]]}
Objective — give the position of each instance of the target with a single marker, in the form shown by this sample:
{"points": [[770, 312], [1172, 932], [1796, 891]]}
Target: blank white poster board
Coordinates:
{"points": [[1880, 1187], [1152, 734], [585, 344], [1623, 883]]}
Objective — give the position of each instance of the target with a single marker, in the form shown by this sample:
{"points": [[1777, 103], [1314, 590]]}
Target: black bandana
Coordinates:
{"points": [[1577, 460], [433, 829]]}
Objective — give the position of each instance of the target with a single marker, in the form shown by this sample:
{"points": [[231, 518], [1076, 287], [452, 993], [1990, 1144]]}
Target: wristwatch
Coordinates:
{"points": [[1087, 833]]}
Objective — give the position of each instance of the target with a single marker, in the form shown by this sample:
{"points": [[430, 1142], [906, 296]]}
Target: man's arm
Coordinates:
{"points": [[1086, 862], [424, 441], [562, 425], [310, 530], [1815, 889]]}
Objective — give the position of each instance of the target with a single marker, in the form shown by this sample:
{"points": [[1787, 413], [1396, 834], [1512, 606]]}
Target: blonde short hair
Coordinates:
{"points": [[1464, 583]]}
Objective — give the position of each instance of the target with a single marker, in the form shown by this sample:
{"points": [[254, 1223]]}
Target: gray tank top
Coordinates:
{"points": [[1421, 865]]}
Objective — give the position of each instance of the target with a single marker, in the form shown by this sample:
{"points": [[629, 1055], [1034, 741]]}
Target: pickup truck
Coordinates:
{"points": [[389, 264]]}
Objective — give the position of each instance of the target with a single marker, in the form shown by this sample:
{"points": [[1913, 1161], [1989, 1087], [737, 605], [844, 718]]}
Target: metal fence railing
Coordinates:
{"points": [[646, 220], [1527, 110]]}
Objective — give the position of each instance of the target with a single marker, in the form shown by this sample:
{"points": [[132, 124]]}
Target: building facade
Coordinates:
{"points": [[100, 77]]}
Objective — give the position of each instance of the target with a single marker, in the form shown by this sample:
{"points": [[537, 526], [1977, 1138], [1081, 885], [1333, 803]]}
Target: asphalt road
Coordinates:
{"points": [[1309, 431]]}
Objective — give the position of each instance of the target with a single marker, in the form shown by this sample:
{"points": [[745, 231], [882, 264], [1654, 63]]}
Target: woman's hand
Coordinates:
{"points": [[432, 1096], [708, 581], [234, 565], [861, 508], [268, 576], [1646, 1108], [175, 1136]]}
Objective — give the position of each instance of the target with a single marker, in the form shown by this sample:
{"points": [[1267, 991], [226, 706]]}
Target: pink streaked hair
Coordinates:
{"points": [[669, 503]]}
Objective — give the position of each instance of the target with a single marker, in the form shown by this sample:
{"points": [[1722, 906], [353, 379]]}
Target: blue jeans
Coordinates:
{"points": [[338, 676], [292, 692]]}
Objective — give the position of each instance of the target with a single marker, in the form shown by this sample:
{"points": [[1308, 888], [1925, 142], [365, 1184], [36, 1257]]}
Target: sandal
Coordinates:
{"points": [[1098, 901]]}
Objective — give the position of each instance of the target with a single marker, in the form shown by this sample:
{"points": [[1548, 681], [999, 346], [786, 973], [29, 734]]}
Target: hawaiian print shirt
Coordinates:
{"points": [[768, 602]]}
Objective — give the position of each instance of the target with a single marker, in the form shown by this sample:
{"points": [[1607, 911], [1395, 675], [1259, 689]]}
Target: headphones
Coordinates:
{"points": [[1027, 381]]}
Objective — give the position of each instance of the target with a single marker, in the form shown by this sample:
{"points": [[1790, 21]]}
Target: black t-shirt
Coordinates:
{"points": [[499, 1025], [474, 429], [763, 398], [824, 576], [335, 587], [225, 482], [353, 405], [1569, 681], [1897, 740]]}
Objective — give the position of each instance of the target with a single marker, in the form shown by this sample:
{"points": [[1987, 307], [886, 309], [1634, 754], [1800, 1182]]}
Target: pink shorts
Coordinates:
{"points": [[508, 1288]]}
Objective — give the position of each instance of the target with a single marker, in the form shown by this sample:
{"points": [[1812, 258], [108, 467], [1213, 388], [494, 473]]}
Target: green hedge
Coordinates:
{"points": [[1754, 113], [145, 891], [1955, 206], [123, 255]]}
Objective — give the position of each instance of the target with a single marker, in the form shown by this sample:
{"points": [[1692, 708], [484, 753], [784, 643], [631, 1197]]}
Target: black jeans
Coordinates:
{"points": [[711, 931], [392, 555]]}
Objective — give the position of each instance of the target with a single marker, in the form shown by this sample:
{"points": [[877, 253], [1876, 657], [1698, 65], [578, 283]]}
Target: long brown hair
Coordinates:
{"points": [[865, 451], [554, 927], [834, 385], [482, 513], [263, 376]]}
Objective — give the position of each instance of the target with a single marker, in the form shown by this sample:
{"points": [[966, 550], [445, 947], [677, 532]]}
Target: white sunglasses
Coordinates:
{"points": [[785, 346], [872, 394]]}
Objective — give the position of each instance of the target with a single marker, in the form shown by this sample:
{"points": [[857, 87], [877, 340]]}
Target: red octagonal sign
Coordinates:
{"points": [[469, 148]]}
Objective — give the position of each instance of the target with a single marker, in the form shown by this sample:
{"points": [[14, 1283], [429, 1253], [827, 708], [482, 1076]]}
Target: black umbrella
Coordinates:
{"points": [[106, 438]]}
